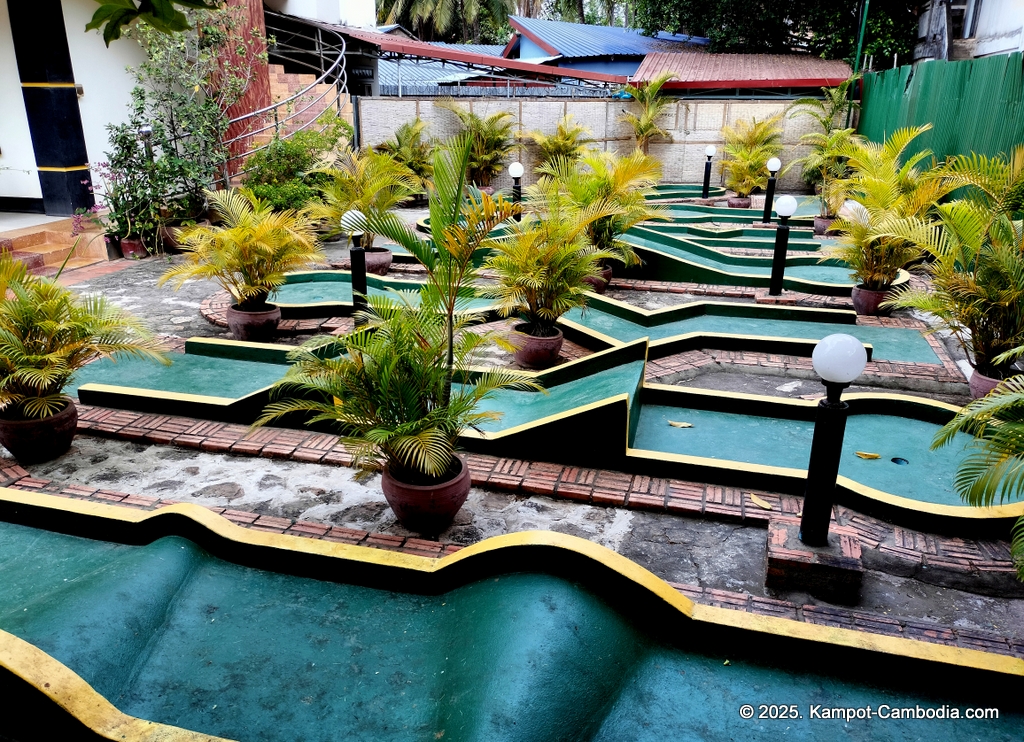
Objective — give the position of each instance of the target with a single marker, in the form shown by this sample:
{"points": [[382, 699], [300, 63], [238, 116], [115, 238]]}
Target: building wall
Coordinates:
{"points": [[609, 66], [693, 125], [1000, 27], [361, 13], [18, 178]]}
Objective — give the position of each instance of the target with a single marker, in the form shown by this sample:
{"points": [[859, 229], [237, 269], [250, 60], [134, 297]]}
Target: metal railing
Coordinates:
{"points": [[317, 49]]}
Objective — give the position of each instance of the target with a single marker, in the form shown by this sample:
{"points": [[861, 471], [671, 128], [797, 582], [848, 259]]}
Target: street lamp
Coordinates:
{"points": [[838, 359], [516, 171], [357, 257], [145, 133], [709, 151], [774, 166], [785, 209]]}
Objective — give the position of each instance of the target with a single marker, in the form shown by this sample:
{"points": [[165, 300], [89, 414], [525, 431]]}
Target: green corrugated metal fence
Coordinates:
{"points": [[974, 105]]}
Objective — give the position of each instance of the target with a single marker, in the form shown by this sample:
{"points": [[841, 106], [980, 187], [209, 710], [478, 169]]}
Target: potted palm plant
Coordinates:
{"points": [[492, 141], [543, 268], [410, 148], [622, 182], [248, 255], [830, 170], [369, 182], [48, 335], [652, 105], [749, 145], [891, 195], [392, 385], [977, 287], [570, 141]]}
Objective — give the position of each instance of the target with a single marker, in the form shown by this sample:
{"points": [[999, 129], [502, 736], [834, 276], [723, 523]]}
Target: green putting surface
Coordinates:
{"points": [[339, 291], [188, 374], [170, 634], [927, 477], [518, 407], [890, 343], [748, 239]]}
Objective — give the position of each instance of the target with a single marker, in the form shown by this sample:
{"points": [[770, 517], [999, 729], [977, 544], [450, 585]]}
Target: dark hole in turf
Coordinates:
{"points": [[900, 462]]}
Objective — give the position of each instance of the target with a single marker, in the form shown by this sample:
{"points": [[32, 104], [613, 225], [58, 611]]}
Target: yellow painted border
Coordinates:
{"points": [[49, 85], [73, 169]]}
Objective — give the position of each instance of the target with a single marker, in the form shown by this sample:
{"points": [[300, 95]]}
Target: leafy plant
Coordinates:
{"points": [[542, 266], [827, 162], [491, 139], [387, 386], [369, 182], [412, 149], [47, 334], [113, 16], [570, 141], [994, 469], [251, 253], [749, 145], [652, 104], [977, 289], [833, 104]]}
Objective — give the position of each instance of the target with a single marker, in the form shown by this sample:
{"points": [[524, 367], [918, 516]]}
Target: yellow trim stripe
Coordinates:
{"points": [[49, 85], [62, 169]]}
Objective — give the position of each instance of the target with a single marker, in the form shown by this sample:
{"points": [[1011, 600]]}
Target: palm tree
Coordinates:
{"points": [[570, 141], [829, 166], [749, 145], [491, 140], [430, 18], [652, 104], [369, 182], [410, 148], [833, 104]]}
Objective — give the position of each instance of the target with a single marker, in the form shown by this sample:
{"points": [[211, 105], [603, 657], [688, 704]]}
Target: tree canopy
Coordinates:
{"points": [[113, 16]]}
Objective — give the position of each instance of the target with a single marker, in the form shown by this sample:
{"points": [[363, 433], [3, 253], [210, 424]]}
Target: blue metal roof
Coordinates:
{"points": [[575, 40], [494, 50], [420, 72]]}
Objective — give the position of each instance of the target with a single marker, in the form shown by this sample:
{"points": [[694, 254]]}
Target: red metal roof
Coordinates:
{"points": [[399, 45], [701, 70]]}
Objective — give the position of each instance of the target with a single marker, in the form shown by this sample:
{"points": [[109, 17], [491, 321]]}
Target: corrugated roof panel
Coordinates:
{"points": [[419, 73], [700, 70], [575, 40], [492, 49]]}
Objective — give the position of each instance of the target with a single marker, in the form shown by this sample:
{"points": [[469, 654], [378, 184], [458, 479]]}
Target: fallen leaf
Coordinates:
{"points": [[727, 662], [674, 424], [866, 455], [759, 502]]}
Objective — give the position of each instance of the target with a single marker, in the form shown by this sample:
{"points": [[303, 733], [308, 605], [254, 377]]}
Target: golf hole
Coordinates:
{"points": [[900, 462]]}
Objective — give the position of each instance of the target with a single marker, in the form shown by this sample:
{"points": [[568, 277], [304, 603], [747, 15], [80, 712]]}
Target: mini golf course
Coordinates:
{"points": [[750, 238], [530, 636], [685, 190]]}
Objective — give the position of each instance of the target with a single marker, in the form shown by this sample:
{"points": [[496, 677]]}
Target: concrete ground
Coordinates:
{"points": [[679, 549]]}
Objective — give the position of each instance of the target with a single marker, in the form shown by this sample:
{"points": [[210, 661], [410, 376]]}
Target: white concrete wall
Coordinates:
{"points": [[692, 124], [102, 73], [360, 13], [1000, 27], [21, 180]]}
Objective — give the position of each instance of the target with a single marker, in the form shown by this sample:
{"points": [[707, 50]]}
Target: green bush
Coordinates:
{"points": [[292, 194]]}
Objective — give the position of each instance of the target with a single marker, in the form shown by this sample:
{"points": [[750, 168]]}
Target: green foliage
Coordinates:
{"points": [[827, 110], [47, 334], [292, 194], [251, 253], [570, 141], [412, 149], [652, 104], [479, 21], [977, 287], [828, 165], [749, 145], [895, 196], [491, 139], [368, 182], [994, 468], [386, 386], [114, 16]]}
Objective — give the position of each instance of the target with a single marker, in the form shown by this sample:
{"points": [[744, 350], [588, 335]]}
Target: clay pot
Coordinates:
{"points": [[256, 327], [169, 236], [822, 224], [981, 384], [35, 441], [133, 249], [739, 202], [866, 302], [427, 509], [600, 284], [378, 260], [536, 352]]}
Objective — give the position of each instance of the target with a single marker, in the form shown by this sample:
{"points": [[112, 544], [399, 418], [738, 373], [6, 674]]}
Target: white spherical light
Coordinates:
{"points": [[516, 170], [774, 165], [710, 150], [785, 206], [839, 358]]}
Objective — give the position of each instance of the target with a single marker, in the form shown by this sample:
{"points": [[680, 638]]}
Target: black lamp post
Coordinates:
{"points": [[785, 209], [516, 171], [838, 360], [774, 165], [357, 257], [709, 152]]}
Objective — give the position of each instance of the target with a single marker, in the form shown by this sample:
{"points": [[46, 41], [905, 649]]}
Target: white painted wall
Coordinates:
{"points": [[101, 72], [360, 13], [21, 180], [1000, 27]]}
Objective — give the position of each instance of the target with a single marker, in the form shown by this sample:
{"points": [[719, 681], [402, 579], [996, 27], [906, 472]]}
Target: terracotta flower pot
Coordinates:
{"points": [[600, 284], [981, 384], [866, 301], [133, 249], [739, 202], [427, 509], [378, 260], [533, 351], [35, 441], [822, 224], [256, 327]]}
